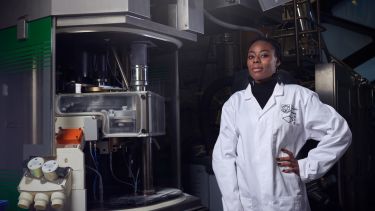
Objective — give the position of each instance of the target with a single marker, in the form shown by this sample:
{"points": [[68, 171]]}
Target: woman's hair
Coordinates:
{"points": [[276, 46]]}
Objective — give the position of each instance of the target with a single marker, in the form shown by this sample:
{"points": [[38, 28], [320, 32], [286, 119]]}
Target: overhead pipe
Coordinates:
{"points": [[231, 26]]}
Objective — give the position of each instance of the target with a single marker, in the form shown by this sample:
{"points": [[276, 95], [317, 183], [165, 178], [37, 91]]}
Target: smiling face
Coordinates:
{"points": [[261, 61]]}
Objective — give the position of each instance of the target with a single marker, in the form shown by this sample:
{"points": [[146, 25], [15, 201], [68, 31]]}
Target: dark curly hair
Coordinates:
{"points": [[276, 46]]}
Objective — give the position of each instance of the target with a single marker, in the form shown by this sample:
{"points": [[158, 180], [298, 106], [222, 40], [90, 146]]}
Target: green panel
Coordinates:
{"points": [[9, 180], [34, 53]]}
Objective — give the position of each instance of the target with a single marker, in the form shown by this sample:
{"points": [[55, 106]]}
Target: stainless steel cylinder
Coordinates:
{"points": [[139, 79], [138, 65]]}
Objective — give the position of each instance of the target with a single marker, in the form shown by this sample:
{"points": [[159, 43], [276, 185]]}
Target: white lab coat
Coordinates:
{"points": [[250, 140]]}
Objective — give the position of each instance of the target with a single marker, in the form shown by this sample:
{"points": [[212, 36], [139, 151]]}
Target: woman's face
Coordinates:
{"points": [[261, 61]]}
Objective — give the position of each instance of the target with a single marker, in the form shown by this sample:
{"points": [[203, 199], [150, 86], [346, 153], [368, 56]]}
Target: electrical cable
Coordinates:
{"points": [[96, 167], [135, 179], [112, 173], [136, 182], [100, 183]]}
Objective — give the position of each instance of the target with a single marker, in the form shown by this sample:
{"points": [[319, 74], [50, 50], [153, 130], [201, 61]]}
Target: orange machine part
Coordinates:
{"points": [[69, 136]]}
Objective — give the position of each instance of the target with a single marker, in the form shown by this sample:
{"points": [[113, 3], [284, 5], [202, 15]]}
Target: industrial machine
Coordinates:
{"points": [[93, 86], [90, 99]]}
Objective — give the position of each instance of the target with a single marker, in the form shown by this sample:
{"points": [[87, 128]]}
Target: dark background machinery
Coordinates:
{"points": [[215, 67]]}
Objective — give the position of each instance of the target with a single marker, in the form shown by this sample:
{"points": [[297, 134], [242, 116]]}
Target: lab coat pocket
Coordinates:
{"points": [[250, 203], [292, 203], [293, 183]]}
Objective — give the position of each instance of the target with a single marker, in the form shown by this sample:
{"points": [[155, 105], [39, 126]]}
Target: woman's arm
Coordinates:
{"points": [[324, 124]]}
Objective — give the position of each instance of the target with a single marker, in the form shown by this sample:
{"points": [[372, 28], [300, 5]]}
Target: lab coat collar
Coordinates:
{"points": [[278, 91]]}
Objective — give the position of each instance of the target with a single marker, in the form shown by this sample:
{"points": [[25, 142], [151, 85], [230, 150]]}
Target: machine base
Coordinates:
{"points": [[163, 200]]}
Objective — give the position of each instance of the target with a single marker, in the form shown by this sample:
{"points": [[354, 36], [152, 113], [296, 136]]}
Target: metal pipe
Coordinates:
{"points": [[148, 186], [292, 34], [123, 76], [52, 95], [176, 146], [319, 29], [302, 20], [138, 66], [231, 26], [34, 104], [301, 1], [296, 32], [139, 79]]}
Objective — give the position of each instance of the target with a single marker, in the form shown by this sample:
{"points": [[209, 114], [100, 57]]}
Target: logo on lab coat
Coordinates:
{"points": [[289, 113]]}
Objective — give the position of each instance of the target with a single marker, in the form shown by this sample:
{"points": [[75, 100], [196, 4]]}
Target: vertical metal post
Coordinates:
{"points": [[339, 182], [53, 81], [175, 105], [34, 103], [148, 182], [296, 32], [178, 138], [318, 30], [138, 63]]}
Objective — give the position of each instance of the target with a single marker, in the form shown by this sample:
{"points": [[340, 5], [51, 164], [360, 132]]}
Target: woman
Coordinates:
{"points": [[262, 129]]}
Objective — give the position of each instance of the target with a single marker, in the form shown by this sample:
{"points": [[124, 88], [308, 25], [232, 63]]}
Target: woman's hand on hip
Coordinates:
{"points": [[290, 162]]}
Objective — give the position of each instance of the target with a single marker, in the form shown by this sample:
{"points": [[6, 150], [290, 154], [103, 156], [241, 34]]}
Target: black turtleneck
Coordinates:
{"points": [[263, 91]]}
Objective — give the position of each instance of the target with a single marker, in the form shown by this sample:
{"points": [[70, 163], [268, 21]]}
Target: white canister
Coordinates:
{"points": [[35, 166], [49, 170]]}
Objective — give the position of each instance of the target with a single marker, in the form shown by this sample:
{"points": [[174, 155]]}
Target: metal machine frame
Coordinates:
{"points": [[130, 17]]}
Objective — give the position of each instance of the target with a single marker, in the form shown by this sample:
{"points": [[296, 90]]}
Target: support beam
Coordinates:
{"points": [[352, 26], [361, 56]]}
